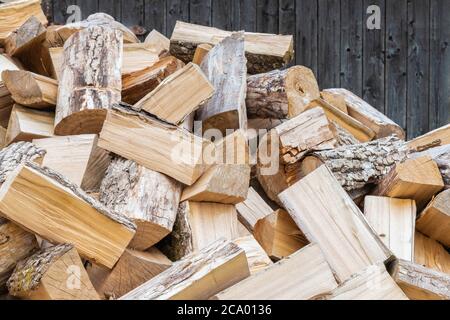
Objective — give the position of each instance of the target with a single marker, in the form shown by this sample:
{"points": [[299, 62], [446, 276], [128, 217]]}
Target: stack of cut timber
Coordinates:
{"points": [[133, 171]]}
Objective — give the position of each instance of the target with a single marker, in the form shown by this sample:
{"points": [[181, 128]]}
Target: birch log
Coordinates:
{"points": [[90, 81]]}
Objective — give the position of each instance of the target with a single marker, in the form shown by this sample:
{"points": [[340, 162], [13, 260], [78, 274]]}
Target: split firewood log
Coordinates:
{"points": [[257, 258], [436, 138], [252, 210], [201, 52], [441, 155], [158, 42], [431, 254], [6, 101]]}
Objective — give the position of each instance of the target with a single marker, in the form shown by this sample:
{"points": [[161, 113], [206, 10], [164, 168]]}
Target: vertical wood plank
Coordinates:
{"points": [[440, 64], [352, 45], [418, 67], [287, 17], [47, 7], [200, 12], [111, 7], [396, 60], [176, 10], [267, 16], [248, 15], [329, 43], [87, 7], [306, 44], [60, 14], [374, 59], [222, 14], [155, 15], [133, 16]]}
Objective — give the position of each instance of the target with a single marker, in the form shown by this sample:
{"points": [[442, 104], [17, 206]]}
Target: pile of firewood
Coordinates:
{"points": [[109, 191]]}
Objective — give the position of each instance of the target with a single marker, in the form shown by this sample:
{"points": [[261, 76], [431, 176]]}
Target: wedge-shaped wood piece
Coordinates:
{"points": [[252, 209], [133, 269], [64, 214], [198, 225], [301, 276], [327, 216], [198, 276], [62, 33], [394, 222], [16, 244], [6, 101], [225, 183], [178, 95], [374, 283], [158, 42], [31, 89], [154, 144], [436, 138], [90, 81], [441, 155], [431, 254], [336, 115], [29, 45], [225, 68], [201, 52], [368, 115], [147, 197], [358, 166], [434, 221], [87, 163], [420, 283], [335, 100], [27, 124], [53, 274], [417, 179], [136, 85], [281, 94], [265, 52], [288, 143], [257, 258], [279, 235], [15, 13]]}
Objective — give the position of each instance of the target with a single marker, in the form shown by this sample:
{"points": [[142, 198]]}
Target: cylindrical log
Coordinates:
{"points": [[90, 81], [281, 94]]}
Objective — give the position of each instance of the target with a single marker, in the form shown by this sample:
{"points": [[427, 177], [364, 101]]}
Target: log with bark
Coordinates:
{"points": [[54, 274], [147, 197], [281, 94], [90, 81], [264, 52]]}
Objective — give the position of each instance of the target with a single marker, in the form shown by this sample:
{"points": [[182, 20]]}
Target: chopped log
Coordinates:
{"points": [[264, 52], [417, 179], [436, 138], [16, 244], [70, 215], [335, 100], [137, 85], [62, 33], [327, 216], [374, 283], [6, 101], [256, 256], [199, 224], [302, 276], [279, 235], [16, 154], [178, 95], [154, 144], [252, 209], [281, 94], [264, 124], [147, 197], [225, 183], [89, 84], [158, 42], [431, 254], [360, 165], [420, 283], [27, 124], [133, 269], [434, 221], [287, 144], [353, 126], [2, 137], [30, 46], [14, 14], [225, 68], [394, 222], [86, 165], [198, 276], [31, 89], [368, 115], [201, 52], [54, 274]]}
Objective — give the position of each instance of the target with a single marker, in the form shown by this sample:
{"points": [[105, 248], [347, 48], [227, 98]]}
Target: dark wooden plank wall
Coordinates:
{"points": [[402, 69]]}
